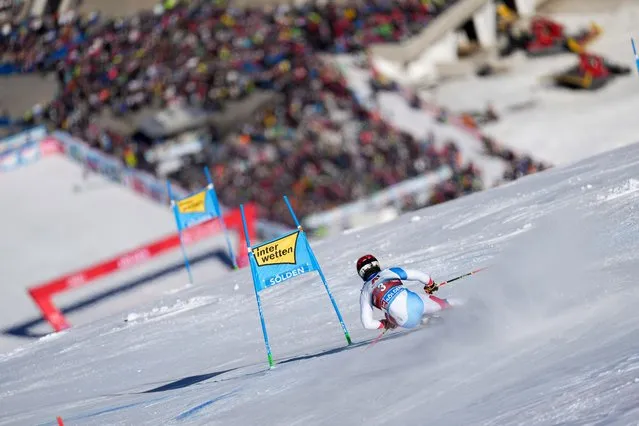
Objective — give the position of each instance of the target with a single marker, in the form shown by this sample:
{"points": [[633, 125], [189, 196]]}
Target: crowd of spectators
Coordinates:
{"points": [[316, 140], [318, 162], [201, 52], [466, 179]]}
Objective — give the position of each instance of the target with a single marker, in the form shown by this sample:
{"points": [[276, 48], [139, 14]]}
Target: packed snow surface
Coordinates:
{"points": [[549, 335], [56, 223]]}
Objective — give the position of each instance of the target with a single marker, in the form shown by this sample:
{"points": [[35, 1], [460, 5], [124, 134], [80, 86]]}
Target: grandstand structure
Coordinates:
{"points": [[311, 135]]}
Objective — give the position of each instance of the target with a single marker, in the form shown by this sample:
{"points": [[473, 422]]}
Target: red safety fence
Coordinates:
{"points": [[43, 294]]}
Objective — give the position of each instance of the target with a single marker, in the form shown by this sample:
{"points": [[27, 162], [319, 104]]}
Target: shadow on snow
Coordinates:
{"points": [[197, 379], [24, 329]]}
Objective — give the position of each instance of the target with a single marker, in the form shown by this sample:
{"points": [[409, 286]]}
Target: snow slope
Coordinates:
{"points": [[550, 334], [55, 223]]}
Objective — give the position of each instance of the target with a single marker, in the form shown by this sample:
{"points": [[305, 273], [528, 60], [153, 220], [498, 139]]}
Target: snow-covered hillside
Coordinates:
{"points": [[563, 126], [54, 223], [554, 125], [550, 334]]}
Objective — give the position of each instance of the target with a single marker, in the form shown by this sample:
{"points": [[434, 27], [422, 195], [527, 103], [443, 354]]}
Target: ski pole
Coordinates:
{"points": [[461, 276], [634, 50], [377, 338]]}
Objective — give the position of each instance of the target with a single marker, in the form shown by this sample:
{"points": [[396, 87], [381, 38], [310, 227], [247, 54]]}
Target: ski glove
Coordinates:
{"points": [[387, 325], [431, 287]]}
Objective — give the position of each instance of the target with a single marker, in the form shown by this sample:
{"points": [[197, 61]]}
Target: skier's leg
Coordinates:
{"points": [[433, 304], [407, 309], [415, 307]]}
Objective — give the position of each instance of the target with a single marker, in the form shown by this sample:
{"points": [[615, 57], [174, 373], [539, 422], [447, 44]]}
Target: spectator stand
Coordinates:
{"points": [[317, 140], [304, 142], [517, 165], [171, 138]]}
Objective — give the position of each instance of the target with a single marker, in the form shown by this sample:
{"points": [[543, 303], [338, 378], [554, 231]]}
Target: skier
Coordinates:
{"points": [[384, 290]]}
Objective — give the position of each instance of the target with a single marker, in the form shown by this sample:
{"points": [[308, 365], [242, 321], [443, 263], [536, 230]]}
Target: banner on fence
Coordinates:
{"points": [[27, 153], [15, 141]]}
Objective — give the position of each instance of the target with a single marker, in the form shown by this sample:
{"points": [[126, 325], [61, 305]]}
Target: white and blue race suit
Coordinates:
{"points": [[385, 291]]}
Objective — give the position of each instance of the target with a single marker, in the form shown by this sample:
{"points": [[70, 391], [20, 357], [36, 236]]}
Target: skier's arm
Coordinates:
{"points": [[366, 312], [413, 275]]}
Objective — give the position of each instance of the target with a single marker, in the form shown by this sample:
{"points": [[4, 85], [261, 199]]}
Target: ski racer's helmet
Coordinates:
{"points": [[367, 266]]}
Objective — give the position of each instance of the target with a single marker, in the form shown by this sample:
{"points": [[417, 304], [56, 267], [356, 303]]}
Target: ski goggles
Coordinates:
{"points": [[367, 267]]}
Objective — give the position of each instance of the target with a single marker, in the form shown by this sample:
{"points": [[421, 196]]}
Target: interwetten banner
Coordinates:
{"points": [[281, 259]]}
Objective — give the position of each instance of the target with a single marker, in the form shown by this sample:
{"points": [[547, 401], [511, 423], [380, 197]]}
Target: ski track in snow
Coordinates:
{"points": [[628, 188], [164, 311], [549, 335]]}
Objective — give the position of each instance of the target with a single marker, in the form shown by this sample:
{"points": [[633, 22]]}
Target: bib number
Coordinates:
{"points": [[385, 292]]}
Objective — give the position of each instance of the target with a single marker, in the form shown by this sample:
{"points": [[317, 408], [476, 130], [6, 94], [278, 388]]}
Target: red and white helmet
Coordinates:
{"points": [[367, 266]]}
